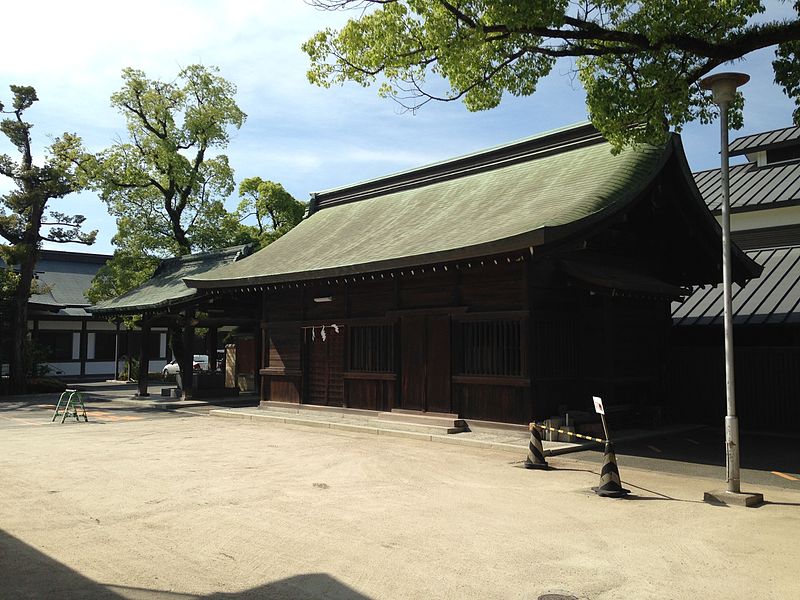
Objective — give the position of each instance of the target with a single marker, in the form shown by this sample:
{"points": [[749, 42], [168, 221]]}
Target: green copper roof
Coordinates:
{"points": [[166, 286], [506, 199]]}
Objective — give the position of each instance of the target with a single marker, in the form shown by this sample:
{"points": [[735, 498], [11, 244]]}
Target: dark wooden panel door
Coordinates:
{"points": [[412, 355], [325, 360], [437, 372], [425, 368]]}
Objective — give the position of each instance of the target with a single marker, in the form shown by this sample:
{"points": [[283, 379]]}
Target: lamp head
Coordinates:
{"points": [[723, 85]]}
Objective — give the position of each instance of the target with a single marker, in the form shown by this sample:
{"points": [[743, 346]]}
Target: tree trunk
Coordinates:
{"points": [[176, 344], [18, 367]]}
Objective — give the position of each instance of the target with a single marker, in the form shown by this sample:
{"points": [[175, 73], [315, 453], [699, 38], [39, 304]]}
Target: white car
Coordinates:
{"points": [[199, 363]]}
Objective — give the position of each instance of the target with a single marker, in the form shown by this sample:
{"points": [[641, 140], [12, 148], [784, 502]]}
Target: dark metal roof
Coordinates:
{"points": [[787, 136], [752, 186], [771, 299], [62, 278]]}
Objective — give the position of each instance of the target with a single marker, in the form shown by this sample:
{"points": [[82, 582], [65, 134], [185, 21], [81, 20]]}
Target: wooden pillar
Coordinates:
{"points": [[258, 343], [187, 370], [528, 337], [144, 357], [116, 348], [259, 340], [211, 347]]}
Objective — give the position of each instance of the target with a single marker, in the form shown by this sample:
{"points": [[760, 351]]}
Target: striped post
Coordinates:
{"points": [[535, 458], [610, 483]]}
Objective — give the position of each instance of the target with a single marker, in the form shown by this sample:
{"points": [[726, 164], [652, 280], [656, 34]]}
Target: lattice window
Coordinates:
{"points": [[371, 348], [490, 348]]}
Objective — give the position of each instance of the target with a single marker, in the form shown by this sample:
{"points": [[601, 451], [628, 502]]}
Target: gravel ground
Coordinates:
{"points": [[199, 507]]}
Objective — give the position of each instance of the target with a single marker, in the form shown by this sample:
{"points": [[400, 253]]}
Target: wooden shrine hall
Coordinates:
{"points": [[505, 285]]}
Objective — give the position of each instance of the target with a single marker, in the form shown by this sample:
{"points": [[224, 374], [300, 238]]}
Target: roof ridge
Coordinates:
{"points": [[554, 141], [739, 166], [199, 256], [741, 137]]}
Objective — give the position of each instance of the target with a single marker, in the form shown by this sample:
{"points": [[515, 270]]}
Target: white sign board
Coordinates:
{"points": [[598, 405]]}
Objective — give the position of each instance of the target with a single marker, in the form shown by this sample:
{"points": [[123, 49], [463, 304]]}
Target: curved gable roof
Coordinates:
{"points": [[507, 198]]}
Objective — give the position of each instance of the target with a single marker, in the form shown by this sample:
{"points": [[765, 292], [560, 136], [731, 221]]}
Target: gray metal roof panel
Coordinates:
{"points": [[762, 297], [772, 298], [772, 137], [758, 141], [689, 310], [752, 185]]}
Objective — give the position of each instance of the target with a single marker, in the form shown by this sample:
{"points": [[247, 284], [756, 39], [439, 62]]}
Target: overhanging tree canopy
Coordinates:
{"points": [[639, 61]]}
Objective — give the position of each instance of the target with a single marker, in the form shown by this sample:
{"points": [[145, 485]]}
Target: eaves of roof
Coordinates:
{"points": [[166, 287], [524, 196]]}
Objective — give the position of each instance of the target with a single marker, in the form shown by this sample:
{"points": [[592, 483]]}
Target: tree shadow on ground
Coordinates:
{"points": [[28, 573]]}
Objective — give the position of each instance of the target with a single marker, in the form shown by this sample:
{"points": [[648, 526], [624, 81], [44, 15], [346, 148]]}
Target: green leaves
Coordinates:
{"points": [[166, 185], [274, 209], [22, 210], [125, 271], [638, 61], [163, 185], [787, 72]]}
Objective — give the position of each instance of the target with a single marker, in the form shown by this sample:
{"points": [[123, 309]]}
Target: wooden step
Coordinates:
{"points": [[293, 408], [424, 419], [409, 421]]}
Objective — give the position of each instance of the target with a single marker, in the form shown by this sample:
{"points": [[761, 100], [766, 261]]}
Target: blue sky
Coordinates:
{"points": [[304, 137]]}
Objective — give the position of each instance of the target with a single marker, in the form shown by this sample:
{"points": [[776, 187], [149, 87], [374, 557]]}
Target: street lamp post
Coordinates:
{"points": [[723, 86]]}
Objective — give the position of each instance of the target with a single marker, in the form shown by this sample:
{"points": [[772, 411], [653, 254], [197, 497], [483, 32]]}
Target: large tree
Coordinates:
{"points": [[26, 220], [639, 62], [167, 183]]}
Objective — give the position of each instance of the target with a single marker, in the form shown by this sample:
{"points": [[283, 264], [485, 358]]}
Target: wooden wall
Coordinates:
{"points": [[766, 375], [572, 343]]}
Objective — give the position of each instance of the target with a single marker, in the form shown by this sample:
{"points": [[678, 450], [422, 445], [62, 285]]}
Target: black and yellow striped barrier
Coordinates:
{"points": [[570, 433]]}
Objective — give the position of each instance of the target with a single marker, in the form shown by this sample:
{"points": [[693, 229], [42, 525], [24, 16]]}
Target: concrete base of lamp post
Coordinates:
{"points": [[727, 498]]}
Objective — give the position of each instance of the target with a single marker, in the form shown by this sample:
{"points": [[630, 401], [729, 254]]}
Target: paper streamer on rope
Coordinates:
{"points": [[323, 333]]}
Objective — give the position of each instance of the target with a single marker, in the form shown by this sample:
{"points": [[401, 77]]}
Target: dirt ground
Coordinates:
{"points": [[211, 508]]}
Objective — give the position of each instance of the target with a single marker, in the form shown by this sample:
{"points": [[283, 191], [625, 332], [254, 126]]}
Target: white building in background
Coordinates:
{"points": [[78, 345]]}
